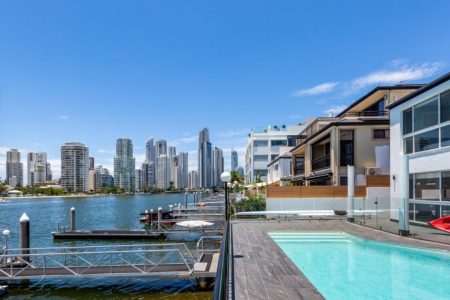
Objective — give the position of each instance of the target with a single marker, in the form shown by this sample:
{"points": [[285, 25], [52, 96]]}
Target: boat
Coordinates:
{"points": [[3, 290], [3, 200], [441, 224]]}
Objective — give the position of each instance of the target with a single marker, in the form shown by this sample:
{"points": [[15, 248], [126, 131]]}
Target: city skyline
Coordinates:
{"points": [[169, 77]]}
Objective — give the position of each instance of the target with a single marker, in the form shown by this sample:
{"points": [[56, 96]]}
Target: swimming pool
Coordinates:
{"points": [[342, 266]]}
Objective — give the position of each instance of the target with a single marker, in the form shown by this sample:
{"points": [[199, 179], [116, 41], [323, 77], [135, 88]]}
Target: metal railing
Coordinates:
{"points": [[223, 286], [321, 163], [123, 260]]}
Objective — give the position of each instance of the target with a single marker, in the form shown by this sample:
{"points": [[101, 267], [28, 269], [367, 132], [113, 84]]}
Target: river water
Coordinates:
{"points": [[99, 212]]}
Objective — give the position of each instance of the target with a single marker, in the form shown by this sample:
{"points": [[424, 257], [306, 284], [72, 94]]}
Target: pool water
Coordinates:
{"points": [[342, 266]]}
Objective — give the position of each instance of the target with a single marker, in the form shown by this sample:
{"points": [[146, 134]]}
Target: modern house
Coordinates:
{"points": [[263, 146], [420, 129], [357, 136], [280, 168]]}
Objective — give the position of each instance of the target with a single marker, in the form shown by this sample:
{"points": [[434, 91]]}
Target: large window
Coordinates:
{"points": [[427, 186], [427, 140], [407, 121], [279, 143], [426, 114], [381, 133], [299, 165], [346, 148], [429, 195], [421, 127], [445, 106]]}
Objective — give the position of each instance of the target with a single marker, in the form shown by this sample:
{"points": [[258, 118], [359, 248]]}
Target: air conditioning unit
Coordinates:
{"points": [[373, 171]]}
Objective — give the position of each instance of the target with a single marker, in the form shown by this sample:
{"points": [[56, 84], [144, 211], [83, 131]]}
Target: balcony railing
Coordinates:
{"points": [[321, 163], [299, 170], [367, 114]]}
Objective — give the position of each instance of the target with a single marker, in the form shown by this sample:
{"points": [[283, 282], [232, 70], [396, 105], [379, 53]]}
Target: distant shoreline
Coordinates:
{"points": [[80, 196]]}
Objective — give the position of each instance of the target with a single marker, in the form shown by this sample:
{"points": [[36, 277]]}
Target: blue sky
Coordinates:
{"points": [[93, 71]]}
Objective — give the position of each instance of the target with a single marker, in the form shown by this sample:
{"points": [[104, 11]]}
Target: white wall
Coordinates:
{"points": [[426, 161]]}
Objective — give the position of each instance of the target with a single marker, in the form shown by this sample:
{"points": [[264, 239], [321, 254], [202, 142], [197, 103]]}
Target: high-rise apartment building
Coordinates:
{"points": [[234, 160], [124, 165], [14, 168], [91, 163], [150, 161], [162, 172], [193, 180], [217, 167], [74, 167], [49, 172], [183, 166], [139, 181], [36, 168], [172, 156], [204, 159], [148, 168], [161, 148]]}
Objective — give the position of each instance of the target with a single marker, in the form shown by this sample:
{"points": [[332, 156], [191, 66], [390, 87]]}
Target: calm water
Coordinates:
{"points": [[103, 212], [345, 267]]}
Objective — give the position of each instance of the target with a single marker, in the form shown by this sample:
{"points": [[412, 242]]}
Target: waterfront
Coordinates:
{"points": [[103, 212]]}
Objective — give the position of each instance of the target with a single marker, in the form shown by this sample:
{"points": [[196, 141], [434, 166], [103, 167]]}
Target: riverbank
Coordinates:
{"points": [[84, 195]]}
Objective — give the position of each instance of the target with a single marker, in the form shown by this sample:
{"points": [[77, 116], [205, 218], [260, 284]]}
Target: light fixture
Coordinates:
{"points": [[225, 177]]}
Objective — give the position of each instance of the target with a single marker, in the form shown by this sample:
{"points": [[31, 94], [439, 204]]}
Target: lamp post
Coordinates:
{"points": [[226, 177]]}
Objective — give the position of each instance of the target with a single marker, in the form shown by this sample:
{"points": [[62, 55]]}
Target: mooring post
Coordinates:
{"points": [[72, 219], [185, 200], [179, 208], [151, 218], [24, 233], [159, 217], [171, 207]]}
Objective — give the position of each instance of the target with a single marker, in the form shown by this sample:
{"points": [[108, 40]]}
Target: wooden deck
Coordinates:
{"points": [[263, 271]]}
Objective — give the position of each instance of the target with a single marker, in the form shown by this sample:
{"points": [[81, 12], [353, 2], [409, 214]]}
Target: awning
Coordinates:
{"points": [[319, 176]]}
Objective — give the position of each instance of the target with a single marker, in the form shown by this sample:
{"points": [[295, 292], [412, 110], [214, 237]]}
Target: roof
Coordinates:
{"points": [[379, 88], [421, 90]]}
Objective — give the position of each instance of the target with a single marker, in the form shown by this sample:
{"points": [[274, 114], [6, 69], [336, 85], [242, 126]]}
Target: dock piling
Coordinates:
{"points": [[159, 217], [72, 219], [24, 234], [185, 200]]}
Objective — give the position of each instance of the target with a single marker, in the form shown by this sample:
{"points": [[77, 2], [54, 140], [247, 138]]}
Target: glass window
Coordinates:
{"points": [[426, 114], [445, 210], [411, 211], [445, 136], [346, 147], [292, 141], [407, 121], [408, 146], [279, 143], [427, 212], [273, 156], [445, 106], [411, 186], [260, 157], [343, 180], [426, 141], [427, 186], [260, 143], [381, 133], [446, 186]]}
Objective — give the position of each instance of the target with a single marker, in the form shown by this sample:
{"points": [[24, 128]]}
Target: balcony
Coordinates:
{"points": [[299, 170], [321, 163], [367, 114]]}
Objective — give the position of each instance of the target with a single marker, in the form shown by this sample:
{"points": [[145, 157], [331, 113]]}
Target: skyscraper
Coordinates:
{"points": [[204, 159], [161, 147], [162, 172], [49, 172], [139, 181], [148, 168], [14, 168], [183, 166], [124, 165], [217, 167], [36, 168], [172, 153], [91, 163], [234, 160], [74, 167], [193, 182], [150, 160]]}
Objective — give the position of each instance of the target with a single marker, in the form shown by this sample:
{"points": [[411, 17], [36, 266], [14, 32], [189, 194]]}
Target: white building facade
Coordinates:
{"points": [[280, 169], [75, 167], [36, 168], [263, 146], [420, 129]]}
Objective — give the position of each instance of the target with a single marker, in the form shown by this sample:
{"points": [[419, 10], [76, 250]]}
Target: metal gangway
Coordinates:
{"points": [[173, 259]]}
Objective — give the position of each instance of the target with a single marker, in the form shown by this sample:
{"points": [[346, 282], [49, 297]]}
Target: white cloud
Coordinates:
{"points": [[334, 110], [233, 133], [185, 140], [63, 117], [106, 151], [396, 73], [322, 88]]}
